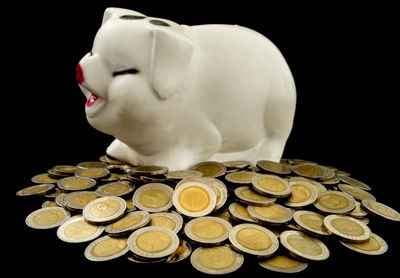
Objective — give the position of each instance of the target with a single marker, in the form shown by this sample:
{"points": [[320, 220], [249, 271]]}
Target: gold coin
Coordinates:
{"points": [[374, 246], [317, 185], [76, 183], [347, 228], [240, 177], [91, 164], [65, 169], [380, 209], [358, 211], [210, 168], [153, 242], [303, 246], [153, 197], [240, 213], [149, 170], [310, 222], [79, 199], [184, 250], [283, 264], [247, 196], [76, 229], [106, 248], [47, 218], [216, 260], [335, 202], [182, 174], [93, 173], [356, 192], [274, 167], [313, 171], [236, 164], [170, 220], [38, 189], [104, 210], [303, 194], [354, 182], [274, 214], [253, 239], [207, 229], [271, 185], [118, 188], [128, 223], [43, 178]]}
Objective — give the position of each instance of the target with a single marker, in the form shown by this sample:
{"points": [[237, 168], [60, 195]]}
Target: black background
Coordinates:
{"points": [[344, 61]]}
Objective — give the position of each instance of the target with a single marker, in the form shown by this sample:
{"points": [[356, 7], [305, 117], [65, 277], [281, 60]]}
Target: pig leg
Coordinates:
{"points": [[123, 152]]}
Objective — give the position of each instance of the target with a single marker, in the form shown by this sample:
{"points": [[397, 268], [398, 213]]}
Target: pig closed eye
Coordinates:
{"points": [[122, 72]]}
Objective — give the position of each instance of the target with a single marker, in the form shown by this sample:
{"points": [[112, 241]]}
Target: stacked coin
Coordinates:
{"points": [[218, 213]]}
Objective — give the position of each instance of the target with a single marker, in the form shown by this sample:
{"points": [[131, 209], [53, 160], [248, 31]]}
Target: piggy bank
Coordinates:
{"points": [[175, 95]]}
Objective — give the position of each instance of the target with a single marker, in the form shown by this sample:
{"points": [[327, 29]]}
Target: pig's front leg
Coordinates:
{"points": [[123, 152]]}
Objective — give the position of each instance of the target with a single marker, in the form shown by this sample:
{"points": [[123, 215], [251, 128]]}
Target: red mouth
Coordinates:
{"points": [[92, 100]]}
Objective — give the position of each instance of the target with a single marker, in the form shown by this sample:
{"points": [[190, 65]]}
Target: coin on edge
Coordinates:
{"points": [[118, 188], [153, 197], [76, 230], [354, 182], [153, 242], [194, 198], [310, 222], [43, 178], [253, 239], [170, 220], [303, 246], [47, 218], [240, 213], [335, 202], [216, 260], [284, 264], [38, 189], [271, 185], [374, 246], [184, 250], [274, 167], [106, 248], [347, 228], [128, 223], [356, 192], [273, 215], [380, 209], [77, 200], [104, 210], [75, 183], [210, 168], [207, 229]]}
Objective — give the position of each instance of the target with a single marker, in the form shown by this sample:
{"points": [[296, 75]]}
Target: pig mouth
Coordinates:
{"points": [[92, 99]]}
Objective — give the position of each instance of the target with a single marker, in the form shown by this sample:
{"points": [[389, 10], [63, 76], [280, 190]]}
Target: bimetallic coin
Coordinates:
{"points": [[356, 192], [271, 185], [170, 220], [274, 214], [274, 167], [43, 178], [216, 260], [380, 209], [153, 197], [182, 174], [253, 239], [283, 264], [184, 250], [76, 230], [48, 203], [75, 183], [303, 194], [313, 171], [194, 198], [240, 177], [65, 169], [247, 196], [210, 168], [347, 228], [60, 199], [374, 246], [128, 223], [358, 211], [236, 164], [78, 200], [47, 218], [310, 222], [106, 248], [354, 182], [93, 173], [340, 173], [119, 188], [240, 213], [39, 189], [207, 230], [317, 185], [149, 170], [104, 210], [130, 206], [335, 202], [91, 164], [153, 242], [303, 246]]}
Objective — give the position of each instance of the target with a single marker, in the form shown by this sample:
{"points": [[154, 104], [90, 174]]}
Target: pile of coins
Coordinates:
{"points": [[214, 213]]}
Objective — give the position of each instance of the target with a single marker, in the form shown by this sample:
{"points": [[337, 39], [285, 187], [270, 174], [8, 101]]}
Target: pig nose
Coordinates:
{"points": [[79, 74]]}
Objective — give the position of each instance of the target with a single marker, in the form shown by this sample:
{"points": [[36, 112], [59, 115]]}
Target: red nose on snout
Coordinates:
{"points": [[79, 74]]}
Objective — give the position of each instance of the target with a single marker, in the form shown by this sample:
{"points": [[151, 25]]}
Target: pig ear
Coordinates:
{"points": [[170, 59], [118, 12]]}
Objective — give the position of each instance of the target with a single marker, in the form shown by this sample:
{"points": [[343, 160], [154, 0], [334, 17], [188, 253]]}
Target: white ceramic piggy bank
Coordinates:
{"points": [[175, 95]]}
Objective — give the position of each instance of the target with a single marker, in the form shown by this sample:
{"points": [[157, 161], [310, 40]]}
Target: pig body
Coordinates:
{"points": [[176, 95]]}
